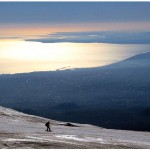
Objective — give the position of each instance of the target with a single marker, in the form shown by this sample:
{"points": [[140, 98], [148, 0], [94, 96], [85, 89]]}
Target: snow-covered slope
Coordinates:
{"points": [[19, 130]]}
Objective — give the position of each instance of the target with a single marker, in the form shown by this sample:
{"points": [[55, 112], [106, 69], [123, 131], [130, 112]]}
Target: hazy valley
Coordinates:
{"points": [[114, 96]]}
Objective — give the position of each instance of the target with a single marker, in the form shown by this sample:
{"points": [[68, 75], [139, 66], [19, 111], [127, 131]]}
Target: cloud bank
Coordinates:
{"points": [[96, 37]]}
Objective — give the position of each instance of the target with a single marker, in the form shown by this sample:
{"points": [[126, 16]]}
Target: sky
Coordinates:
{"points": [[73, 12], [32, 19], [39, 36]]}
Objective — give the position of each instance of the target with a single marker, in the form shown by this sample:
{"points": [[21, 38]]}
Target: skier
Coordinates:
{"points": [[48, 126]]}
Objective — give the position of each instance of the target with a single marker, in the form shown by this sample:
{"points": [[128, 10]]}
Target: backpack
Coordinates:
{"points": [[46, 124]]}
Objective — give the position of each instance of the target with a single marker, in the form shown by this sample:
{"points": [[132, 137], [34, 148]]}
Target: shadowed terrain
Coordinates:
{"points": [[114, 96]]}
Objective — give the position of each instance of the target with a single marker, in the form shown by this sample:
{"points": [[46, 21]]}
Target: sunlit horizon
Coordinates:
{"points": [[45, 36], [18, 56]]}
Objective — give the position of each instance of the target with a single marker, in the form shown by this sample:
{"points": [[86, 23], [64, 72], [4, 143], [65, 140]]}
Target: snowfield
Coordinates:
{"points": [[19, 130]]}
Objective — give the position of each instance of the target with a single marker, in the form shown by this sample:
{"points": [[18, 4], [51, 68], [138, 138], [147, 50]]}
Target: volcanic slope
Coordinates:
{"points": [[19, 130]]}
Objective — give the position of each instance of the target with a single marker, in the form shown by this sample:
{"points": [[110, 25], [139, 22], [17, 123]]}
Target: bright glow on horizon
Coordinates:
{"points": [[21, 56]]}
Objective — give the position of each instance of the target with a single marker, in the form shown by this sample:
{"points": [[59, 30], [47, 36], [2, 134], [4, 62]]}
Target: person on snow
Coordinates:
{"points": [[48, 126]]}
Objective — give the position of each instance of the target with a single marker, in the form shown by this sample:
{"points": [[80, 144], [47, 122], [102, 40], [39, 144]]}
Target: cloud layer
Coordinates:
{"points": [[96, 37]]}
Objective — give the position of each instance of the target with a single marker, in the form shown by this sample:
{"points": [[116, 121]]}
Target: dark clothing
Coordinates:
{"points": [[48, 126], [48, 129]]}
